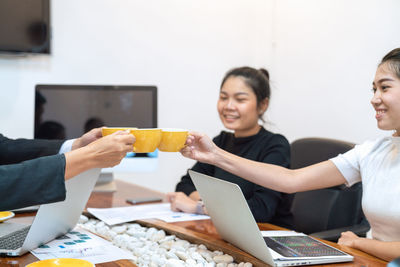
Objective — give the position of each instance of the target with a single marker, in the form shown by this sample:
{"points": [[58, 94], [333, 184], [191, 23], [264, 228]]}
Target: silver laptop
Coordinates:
{"points": [[235, 223], [52, 220]]}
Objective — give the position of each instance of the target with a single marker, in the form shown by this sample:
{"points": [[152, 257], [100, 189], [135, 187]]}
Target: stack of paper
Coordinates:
{"points": [[161, 211]]}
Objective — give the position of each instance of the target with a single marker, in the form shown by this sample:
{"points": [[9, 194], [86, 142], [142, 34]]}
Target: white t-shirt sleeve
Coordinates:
{"points": [[66, 146], [349, 166]]}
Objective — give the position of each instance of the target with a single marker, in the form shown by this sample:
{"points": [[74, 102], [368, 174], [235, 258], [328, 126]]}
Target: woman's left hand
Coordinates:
{"points": [[348, 239], [181, 202]]}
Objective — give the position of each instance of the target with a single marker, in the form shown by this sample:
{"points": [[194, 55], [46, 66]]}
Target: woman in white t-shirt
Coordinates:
{"points": [[376, 164]]}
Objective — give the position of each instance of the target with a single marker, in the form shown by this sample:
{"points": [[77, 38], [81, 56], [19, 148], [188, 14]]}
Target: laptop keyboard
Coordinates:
{"points": [[300, 246], [15, 239]]}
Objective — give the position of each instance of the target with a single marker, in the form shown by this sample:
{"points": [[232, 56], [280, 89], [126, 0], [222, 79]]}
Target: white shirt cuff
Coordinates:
{"points": [[66, 146]]}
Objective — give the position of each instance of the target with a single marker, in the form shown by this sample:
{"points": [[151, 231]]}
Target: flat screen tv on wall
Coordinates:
{"points": [[25, 26]]}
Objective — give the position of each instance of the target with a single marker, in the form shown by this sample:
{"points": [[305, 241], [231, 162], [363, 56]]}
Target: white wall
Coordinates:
{"points": [[322, 56], [325, 54]]}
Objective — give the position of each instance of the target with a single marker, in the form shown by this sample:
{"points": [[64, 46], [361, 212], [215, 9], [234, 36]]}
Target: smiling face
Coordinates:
{"points": [[237, 107], [386, 99]]}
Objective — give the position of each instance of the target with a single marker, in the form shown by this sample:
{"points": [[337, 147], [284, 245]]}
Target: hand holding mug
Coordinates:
{"points": [[200, 147]]}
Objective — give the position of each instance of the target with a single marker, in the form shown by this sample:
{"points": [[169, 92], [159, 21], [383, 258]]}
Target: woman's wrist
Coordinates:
{"points": [[200, 209], [357, 242], [221, 158], [218, 156], [78, 160]]}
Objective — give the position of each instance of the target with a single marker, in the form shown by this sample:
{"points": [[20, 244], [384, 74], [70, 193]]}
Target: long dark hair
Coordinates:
{"points": [[257, 80], [393, 60]]}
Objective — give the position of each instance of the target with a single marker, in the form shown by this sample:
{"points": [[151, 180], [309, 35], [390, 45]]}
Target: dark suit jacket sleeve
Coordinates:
{"points": [[32, 182], [18, 150], [28, 176]]}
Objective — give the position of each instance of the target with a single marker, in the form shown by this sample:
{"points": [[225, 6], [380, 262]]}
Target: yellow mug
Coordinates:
{"points": [[5, 215], [61, 262], [147, 140], [110, 130], [173, 140]]}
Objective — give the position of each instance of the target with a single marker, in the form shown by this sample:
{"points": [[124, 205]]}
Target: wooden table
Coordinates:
{"points": [[199, 232]]}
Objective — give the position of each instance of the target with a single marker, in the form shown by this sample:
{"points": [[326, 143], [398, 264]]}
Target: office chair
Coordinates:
{"points": [[325, 213]]}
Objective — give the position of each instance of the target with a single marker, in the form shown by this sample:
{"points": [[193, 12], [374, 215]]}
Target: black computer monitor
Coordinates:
{"points": [[68, 111]]}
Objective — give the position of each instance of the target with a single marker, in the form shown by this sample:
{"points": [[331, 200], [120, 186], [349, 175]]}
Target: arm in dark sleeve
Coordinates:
{"points": [[264, 202], [186, 184], [32, 182], [18, 150]]}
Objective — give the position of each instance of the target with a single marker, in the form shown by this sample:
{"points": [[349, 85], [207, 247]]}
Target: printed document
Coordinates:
{"points": [[161, 211], [80, 244]]}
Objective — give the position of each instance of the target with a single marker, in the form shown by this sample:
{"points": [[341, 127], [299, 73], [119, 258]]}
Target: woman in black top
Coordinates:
{"points": [[244, 97]]}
